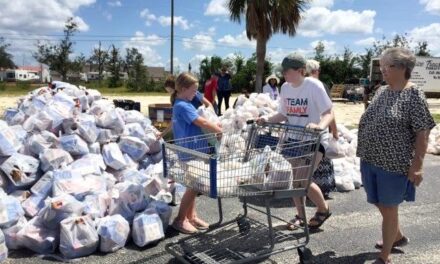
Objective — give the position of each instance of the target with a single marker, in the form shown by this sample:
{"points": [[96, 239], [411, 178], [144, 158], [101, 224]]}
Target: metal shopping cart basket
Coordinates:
{"points": [[272, 161]]}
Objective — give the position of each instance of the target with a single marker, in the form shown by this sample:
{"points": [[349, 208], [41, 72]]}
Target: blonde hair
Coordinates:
{"points": [[312, 65], [184, 81]]}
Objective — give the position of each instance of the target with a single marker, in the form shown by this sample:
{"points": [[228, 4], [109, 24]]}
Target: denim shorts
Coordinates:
{"points": [[386, 188]]}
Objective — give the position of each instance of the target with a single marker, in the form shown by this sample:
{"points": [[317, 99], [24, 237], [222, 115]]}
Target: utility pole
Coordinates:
{"points": [[172, 37]]}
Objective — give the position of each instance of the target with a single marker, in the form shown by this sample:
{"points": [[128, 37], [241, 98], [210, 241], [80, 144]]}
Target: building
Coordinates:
{"points": [[157, 73]]}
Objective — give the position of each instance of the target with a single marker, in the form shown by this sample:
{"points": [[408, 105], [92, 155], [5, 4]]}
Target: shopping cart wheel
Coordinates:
{"points": [[305, 255], [243, 225]]}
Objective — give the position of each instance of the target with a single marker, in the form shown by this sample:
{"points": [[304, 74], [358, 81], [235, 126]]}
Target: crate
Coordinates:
{"points": [[127, 104], [160, 115]]}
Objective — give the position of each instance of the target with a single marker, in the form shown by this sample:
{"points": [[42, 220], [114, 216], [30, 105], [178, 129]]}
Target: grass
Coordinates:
{"points": [[436, 118], [18, 89]]}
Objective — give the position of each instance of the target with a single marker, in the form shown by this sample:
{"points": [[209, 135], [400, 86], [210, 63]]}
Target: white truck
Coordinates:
{"points": [[426, 74]]}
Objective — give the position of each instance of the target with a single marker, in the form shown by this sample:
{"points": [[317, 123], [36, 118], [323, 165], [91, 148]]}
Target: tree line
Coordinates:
{"points": [[335, 69]]}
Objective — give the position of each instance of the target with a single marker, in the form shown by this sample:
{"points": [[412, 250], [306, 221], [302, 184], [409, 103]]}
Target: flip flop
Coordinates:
{"points": [[319, 218], [399, 243]]}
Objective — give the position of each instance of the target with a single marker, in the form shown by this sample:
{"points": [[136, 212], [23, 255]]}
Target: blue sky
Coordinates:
{"points": [[203, 28]]}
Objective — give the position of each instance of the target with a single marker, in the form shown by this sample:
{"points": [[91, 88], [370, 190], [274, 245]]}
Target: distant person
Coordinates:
{"points": [[368, 90], [271, 87], [324, 176], [210, 91], [224, 89], [243, 92], [392, 141]]}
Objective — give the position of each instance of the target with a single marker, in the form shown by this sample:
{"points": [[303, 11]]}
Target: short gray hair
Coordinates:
{"points": [[312, 65], [400, 57]]}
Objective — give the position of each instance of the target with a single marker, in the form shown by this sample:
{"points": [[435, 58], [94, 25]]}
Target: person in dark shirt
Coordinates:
{"points": [[224, 89]]}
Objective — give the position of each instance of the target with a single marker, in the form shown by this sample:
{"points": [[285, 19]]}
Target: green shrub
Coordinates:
{"points": [[23, 85]]}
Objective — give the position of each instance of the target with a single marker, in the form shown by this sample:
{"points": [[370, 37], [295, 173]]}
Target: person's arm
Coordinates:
{"points": [[415, 173], [206, 103], [333, 127], [326, 118], [205, 124], [275, 118], [164, 132]]}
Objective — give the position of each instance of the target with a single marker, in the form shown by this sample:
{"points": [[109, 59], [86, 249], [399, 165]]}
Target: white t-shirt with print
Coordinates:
{"points": [[305, 104]]}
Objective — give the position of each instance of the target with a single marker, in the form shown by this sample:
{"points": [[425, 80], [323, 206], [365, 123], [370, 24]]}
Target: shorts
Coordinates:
{"points": [[386, 188]]}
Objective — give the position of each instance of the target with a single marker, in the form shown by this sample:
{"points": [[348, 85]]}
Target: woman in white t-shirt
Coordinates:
{"points": [[314, 111], [271, 87]]}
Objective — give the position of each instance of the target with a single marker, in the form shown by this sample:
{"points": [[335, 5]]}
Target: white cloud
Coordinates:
{"points": [[365, 42], [430, 34], [149, 17], [143, 45], [177, 65], [329, 46], [114, 3], [40, 17], [217, 8], [107, 15], [178, 21], [322, 3], [195, 62], [200, 42], [431, 6], [319, 20], [378, 30], [240, 40]]}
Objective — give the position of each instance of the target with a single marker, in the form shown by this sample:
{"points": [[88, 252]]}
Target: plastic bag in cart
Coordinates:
{"points": [[78, 237], [113, 231], [21, 169], [280, 173], [3, 248], [147, 228]]}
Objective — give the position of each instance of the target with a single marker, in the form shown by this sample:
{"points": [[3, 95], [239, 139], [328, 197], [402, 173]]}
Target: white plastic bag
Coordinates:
{"points": [[52, 159], [78, 237], [133, 146], [38, 238], [58, 209], [147, 228], [9, 144], [127, 199], [164, 211], [334, 150], [21, 169], [113, 156], [3, 248], [33, 205], [113, 231], [10, 233], [280, 173], [10, 211], [74, 144], [43, 186]]}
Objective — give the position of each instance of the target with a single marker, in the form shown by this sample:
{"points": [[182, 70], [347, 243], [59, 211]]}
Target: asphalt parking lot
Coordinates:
{"points": [[347, 237]]}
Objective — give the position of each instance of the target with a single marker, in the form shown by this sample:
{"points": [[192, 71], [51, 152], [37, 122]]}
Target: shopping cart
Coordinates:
{"points": [[272, 162]]}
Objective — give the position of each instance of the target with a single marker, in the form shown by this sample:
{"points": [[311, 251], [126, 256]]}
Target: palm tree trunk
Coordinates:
{"points": [[261, 55]]}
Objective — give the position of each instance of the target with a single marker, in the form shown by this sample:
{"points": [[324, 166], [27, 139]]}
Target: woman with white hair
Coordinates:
{"points": [[324, 176], [392, 141], [271, 87]]}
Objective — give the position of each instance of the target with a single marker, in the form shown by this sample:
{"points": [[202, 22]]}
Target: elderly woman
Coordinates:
{"points": [[392, 141]]}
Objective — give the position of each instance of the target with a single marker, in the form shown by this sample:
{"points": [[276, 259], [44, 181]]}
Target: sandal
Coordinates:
{"points": [[295, 223], [398, 243], [184, 227], [199, 224], [319, 218]]}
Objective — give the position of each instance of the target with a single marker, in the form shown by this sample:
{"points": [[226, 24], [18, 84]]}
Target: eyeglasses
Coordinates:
{"points": [[386, 67]]}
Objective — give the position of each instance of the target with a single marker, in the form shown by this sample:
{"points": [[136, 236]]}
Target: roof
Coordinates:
{"points": [[30, 68]]}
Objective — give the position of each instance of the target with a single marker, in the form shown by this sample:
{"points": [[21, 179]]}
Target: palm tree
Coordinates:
{"points": [[264, 18]]}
